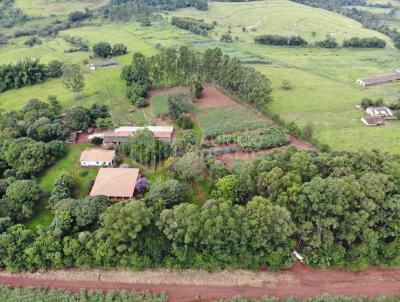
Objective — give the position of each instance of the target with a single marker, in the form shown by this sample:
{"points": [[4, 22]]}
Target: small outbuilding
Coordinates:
{"points": [[373, 120], [115, 183], [97, 158], [380, 79], [379, 111]]}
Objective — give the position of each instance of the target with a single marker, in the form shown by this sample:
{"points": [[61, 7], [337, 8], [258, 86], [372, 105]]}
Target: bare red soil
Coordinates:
{"points": [[211, 97], [300, 281]]}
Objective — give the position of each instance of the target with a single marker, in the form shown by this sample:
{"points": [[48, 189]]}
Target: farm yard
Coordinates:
{"points": [[195, 136]]}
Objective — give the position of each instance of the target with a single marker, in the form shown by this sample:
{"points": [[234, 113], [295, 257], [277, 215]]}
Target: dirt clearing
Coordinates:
{"points": [[211, 97], [300, 281]]}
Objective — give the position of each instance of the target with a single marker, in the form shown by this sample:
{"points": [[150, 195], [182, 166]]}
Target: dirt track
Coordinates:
{"points": [[300, 281]]}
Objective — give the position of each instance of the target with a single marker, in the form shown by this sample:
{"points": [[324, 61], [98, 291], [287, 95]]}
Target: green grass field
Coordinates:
{"points": [[68, 165], [45, 8]]}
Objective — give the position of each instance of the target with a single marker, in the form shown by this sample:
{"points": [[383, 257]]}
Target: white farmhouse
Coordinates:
{"points": [[97, 158]]}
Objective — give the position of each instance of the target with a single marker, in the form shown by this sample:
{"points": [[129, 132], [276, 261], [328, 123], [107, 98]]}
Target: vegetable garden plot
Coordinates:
{"points": [[222, 120]]}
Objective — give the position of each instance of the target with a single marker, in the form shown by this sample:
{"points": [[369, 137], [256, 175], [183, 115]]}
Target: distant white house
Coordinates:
{"points": [[379, 111], [97, 158]]}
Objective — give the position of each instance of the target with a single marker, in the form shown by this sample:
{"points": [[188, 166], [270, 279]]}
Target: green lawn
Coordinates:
{"points": [[67, 165]]}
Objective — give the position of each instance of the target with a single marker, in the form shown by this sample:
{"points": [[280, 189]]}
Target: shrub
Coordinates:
{"points": [[185, 122], [226, 38], [119, 49], [141, 102], [33, 41], [280, 40], [308, 131], [286, 84], [328, 43]]}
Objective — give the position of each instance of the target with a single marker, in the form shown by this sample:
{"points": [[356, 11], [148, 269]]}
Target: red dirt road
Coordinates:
{"points": [[299, 281]]}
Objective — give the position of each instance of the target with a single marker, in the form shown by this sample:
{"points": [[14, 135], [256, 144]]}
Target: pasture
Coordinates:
{"points": [[281, 17]]}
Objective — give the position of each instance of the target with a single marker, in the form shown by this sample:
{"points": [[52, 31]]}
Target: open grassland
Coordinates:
{"points": [[44, 8], [281, 17]]}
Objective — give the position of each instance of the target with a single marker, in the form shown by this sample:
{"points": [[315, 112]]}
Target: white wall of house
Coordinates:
{"points": [[96, 164]]}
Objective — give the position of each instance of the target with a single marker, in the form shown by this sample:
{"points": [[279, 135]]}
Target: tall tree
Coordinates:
{"points": [[73, 79]]}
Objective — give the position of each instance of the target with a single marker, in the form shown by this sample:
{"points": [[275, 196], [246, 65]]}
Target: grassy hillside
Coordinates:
{"points": [[45, 8], [281, 17]]}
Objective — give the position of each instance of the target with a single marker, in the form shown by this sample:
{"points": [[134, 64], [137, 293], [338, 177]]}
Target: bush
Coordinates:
{"points": [[327, 43], [119, 49], [308, 131], [33, 41], [364, 43], [185, 122], [226, 38], [286, 84], [102, 49], [79, 16], [141, 102], [83, 173], [280, 40], [136, 91]]}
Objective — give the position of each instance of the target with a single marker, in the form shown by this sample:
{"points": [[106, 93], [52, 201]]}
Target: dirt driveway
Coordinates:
{"points": [[188, 285]]}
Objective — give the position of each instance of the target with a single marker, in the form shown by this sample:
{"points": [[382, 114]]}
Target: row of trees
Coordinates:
{"points": [[182, 67], [365, 43], [198, 27], [330, 42], [124, 10], [280, 40], [27, 72]]}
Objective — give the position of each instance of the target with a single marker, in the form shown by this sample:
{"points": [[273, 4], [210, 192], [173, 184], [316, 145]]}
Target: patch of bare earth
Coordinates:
{"points": [[211, 97], [188, 285]]}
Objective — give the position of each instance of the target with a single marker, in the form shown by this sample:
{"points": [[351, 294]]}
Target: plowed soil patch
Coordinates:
{"points": [[211, 97]]}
